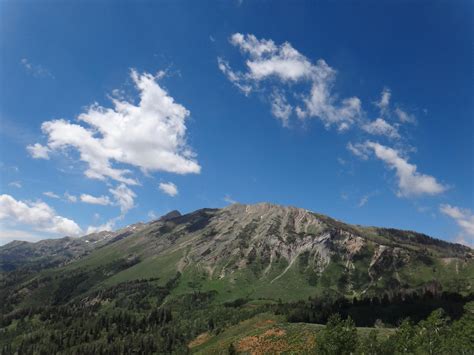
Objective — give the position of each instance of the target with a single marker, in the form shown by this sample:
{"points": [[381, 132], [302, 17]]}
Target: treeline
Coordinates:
{"points": [[437, 334], [366, 312], [129, 318]]}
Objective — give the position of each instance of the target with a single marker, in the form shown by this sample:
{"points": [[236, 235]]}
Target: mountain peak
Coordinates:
{"points": [[170, 215]]}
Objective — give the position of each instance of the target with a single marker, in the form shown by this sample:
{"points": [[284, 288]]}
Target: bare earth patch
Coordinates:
{"points": [[200, 339]]}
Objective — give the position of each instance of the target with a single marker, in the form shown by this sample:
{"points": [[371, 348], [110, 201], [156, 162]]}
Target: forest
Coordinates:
{"points": [[136, 318]]}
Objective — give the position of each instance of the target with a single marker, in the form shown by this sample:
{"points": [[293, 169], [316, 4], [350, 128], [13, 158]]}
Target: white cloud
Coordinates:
{"points": [[50, 194], [282, 64], [410, 181], [38, 151], [108, 226], [404, 116], [124, 197], [36, 70], [384, 102], [363, 201], [37, 214], [234, 77], [229, 199], [464, 219], [16, 184], [101, 200], [382, 128], [69, 197], [280, 108], [152, 215], [168, 188], [358, 149], [150, 135]]}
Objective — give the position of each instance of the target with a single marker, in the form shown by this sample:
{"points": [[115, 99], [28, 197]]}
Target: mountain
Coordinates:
{"points": [[49, 253], [214, 280], [252, 251]]}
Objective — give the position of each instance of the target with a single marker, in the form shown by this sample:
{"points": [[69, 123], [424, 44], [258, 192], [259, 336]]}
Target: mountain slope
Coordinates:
{"points": [[257, 251]]}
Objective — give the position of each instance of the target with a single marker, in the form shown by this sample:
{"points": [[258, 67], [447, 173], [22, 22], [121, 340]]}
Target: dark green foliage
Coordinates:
{"points": [[339, 337], [365, 312]]}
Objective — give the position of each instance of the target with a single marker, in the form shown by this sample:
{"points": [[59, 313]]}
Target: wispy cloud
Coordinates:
{"points": [[279, 66], [168, 188], [51, 194], [229, 199], [411, 183], [464, 219], [95, 200], [16, 184], [36, 70]]}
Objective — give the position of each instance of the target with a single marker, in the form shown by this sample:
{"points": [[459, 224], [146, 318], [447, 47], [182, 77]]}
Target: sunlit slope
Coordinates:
{"points": [[268, 251]]}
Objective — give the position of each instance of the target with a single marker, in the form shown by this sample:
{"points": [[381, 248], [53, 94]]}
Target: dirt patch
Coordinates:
{"points": [[274, 332], [200, 339], [267, 343]]}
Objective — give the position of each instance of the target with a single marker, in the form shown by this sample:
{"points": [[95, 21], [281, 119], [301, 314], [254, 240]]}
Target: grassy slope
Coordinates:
{"points": [[249, 282], [265, 333]]}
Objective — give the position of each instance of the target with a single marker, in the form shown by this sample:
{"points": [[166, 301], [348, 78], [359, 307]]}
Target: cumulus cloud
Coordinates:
{"points": [[38, 151], [410, 182], [382, 128], [464, 219], [150, 136], [168, 188], [94, 200], [276, 64], [37, 215]]}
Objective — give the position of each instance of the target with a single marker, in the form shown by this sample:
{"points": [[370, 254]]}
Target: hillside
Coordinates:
{"points": [[211, 272], [252, 251]]}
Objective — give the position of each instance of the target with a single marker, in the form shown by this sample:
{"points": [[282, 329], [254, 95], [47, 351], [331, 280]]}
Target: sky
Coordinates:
{"points": [[115, 112]]}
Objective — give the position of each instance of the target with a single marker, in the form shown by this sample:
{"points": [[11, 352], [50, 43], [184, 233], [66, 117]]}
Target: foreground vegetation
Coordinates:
{"points": [[142, 316]]}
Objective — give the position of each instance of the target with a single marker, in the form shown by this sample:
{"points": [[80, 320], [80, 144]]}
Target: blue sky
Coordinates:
{"points": [[115, 112]]}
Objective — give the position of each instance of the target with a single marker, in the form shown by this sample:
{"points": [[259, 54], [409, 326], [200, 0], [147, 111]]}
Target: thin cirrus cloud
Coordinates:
{"points": [[464, 218], [36, 70], [37, 215], [411, 183], [168, 188], [150, 136]]}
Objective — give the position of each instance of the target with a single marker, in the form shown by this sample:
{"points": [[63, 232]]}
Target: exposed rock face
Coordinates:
{"points": [[267, 244]]}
